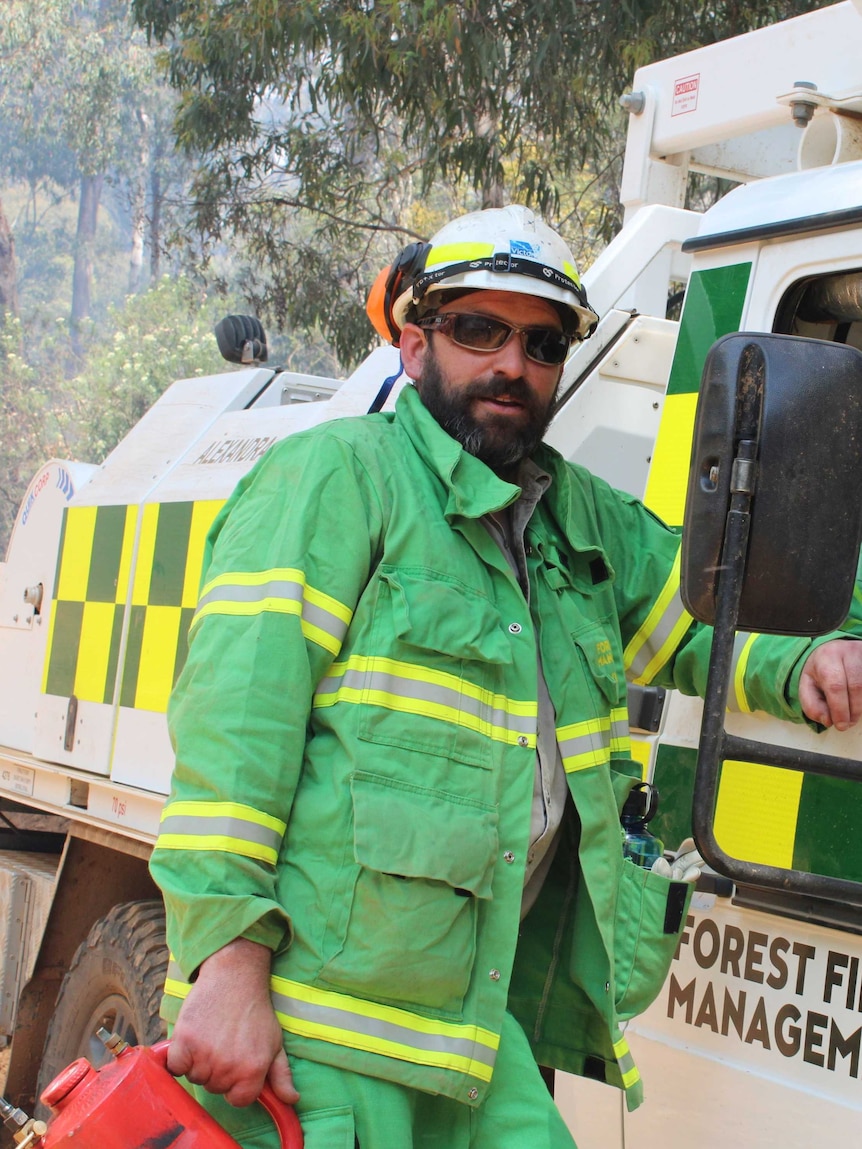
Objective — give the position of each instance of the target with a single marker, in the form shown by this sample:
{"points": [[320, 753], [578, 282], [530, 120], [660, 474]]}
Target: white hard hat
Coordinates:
{"points": [[499, 249]]}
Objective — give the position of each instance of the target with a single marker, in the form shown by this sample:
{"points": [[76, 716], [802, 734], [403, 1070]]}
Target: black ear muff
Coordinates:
{"points": [[406, 268], [391, 282]]}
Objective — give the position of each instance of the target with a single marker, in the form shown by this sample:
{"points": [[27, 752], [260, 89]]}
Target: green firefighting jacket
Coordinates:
{"points": [[355, 731]]}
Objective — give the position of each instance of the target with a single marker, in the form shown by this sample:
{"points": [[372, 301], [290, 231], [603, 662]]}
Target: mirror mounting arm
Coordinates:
{"points": [[717, 746], [761, 566]]}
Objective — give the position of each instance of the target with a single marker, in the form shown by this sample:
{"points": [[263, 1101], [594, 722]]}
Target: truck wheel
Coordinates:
{"points": [[115, 981]]}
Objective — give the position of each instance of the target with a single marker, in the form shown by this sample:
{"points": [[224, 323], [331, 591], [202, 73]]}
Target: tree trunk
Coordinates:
{"points": [[138, 205], [156, 196], [88, 210], [493, 190], [136, 256], [8, 279]]}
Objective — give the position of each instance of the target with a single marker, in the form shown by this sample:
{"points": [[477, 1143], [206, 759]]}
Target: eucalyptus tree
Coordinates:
{"points": [[329, 128], [80, 101]]}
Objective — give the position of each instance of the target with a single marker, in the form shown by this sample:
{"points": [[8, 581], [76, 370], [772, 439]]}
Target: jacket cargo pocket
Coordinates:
{"points": [[423, 858], [642, 950], [328, 1129], [443, 650]]}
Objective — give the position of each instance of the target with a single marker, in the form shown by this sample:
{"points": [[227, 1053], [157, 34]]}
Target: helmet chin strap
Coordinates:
{"points": [[385, 388]]}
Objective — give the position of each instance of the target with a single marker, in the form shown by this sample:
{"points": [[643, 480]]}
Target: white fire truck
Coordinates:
{"points": [[759, 1027]]}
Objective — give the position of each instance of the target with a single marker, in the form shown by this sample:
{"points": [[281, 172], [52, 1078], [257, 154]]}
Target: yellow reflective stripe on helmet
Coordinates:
{"points": [[625, 1061], [572, 272], [457, 253], [463, 252], [660, 633], [324, 619], [386, 1030], [222, 826], [353, 1023], [412, 689], [737, 699], [591, 742]]}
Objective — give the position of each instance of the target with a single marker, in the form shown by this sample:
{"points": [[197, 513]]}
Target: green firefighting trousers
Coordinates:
{"points": [[339, 1109]]}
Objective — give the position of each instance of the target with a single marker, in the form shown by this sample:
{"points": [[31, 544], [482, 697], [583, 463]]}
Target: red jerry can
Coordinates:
{"points": [[133, 1102]]}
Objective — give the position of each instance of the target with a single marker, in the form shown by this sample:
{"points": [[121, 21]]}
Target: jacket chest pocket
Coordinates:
{"points": [[601, 656], [438, 652], [406, 931], [581, 589]]}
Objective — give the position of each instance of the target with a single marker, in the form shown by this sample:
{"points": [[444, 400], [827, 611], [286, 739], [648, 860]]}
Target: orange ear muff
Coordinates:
{"points": [[375, 307], [389, 284]]}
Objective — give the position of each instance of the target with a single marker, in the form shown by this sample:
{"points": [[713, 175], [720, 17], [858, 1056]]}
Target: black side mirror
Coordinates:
{"points": [[798, 402], [241, 339], [773, 527]]}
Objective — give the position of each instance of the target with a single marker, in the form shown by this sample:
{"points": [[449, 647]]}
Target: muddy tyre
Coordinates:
{"points": [[115, 981]]}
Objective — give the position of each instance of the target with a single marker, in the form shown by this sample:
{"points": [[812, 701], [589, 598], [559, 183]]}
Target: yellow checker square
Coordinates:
{"points": [[202, 519], [77, 552], [126, 553], [94, 651], [756, 813], [146, 553], [668, 476], [158, 656], [641, 751]]}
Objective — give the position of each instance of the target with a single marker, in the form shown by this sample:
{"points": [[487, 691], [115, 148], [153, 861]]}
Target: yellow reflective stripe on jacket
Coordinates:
{"points": [[736, 698], [626, 1063], [175, 983], [225, 826], [353, 1023], [660, 634], [591, 743], [284, 591], [412, 689], [386, 1030]]}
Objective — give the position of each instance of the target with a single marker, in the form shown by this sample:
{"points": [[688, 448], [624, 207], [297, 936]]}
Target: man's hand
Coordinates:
{"points": [[227, 1037], [830, 688]]}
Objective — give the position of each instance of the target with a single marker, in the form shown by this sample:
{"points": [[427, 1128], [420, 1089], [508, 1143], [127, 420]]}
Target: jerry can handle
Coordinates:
{"points": [[283, 1115]]}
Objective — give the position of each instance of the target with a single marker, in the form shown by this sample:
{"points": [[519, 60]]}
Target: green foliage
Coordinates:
{"points": [[322, 125], [31, 423], [153, 339], [163, 335]]}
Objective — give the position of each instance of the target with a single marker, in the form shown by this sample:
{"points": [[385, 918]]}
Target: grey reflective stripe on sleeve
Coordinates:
{"points": [[236, 829], [276, 588], [279, 589], [658, 636], [175, 974]]}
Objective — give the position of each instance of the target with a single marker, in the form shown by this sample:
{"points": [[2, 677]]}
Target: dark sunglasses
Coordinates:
{"points": [[483, 333]]}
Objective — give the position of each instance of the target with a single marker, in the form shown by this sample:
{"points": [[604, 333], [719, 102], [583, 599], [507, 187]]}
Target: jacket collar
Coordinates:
{"points": [[472, 488]]}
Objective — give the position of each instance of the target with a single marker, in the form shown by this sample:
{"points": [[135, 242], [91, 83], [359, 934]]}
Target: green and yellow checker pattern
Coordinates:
{"points": [[713, 307], [126, 587], [764, 814]]}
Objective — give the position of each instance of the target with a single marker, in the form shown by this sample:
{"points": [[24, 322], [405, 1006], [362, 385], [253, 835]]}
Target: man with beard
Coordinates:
{"points": [[393, 850]]}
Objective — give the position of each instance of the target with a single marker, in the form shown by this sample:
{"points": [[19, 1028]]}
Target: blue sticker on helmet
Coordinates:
{"points": [[522, 247]]}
